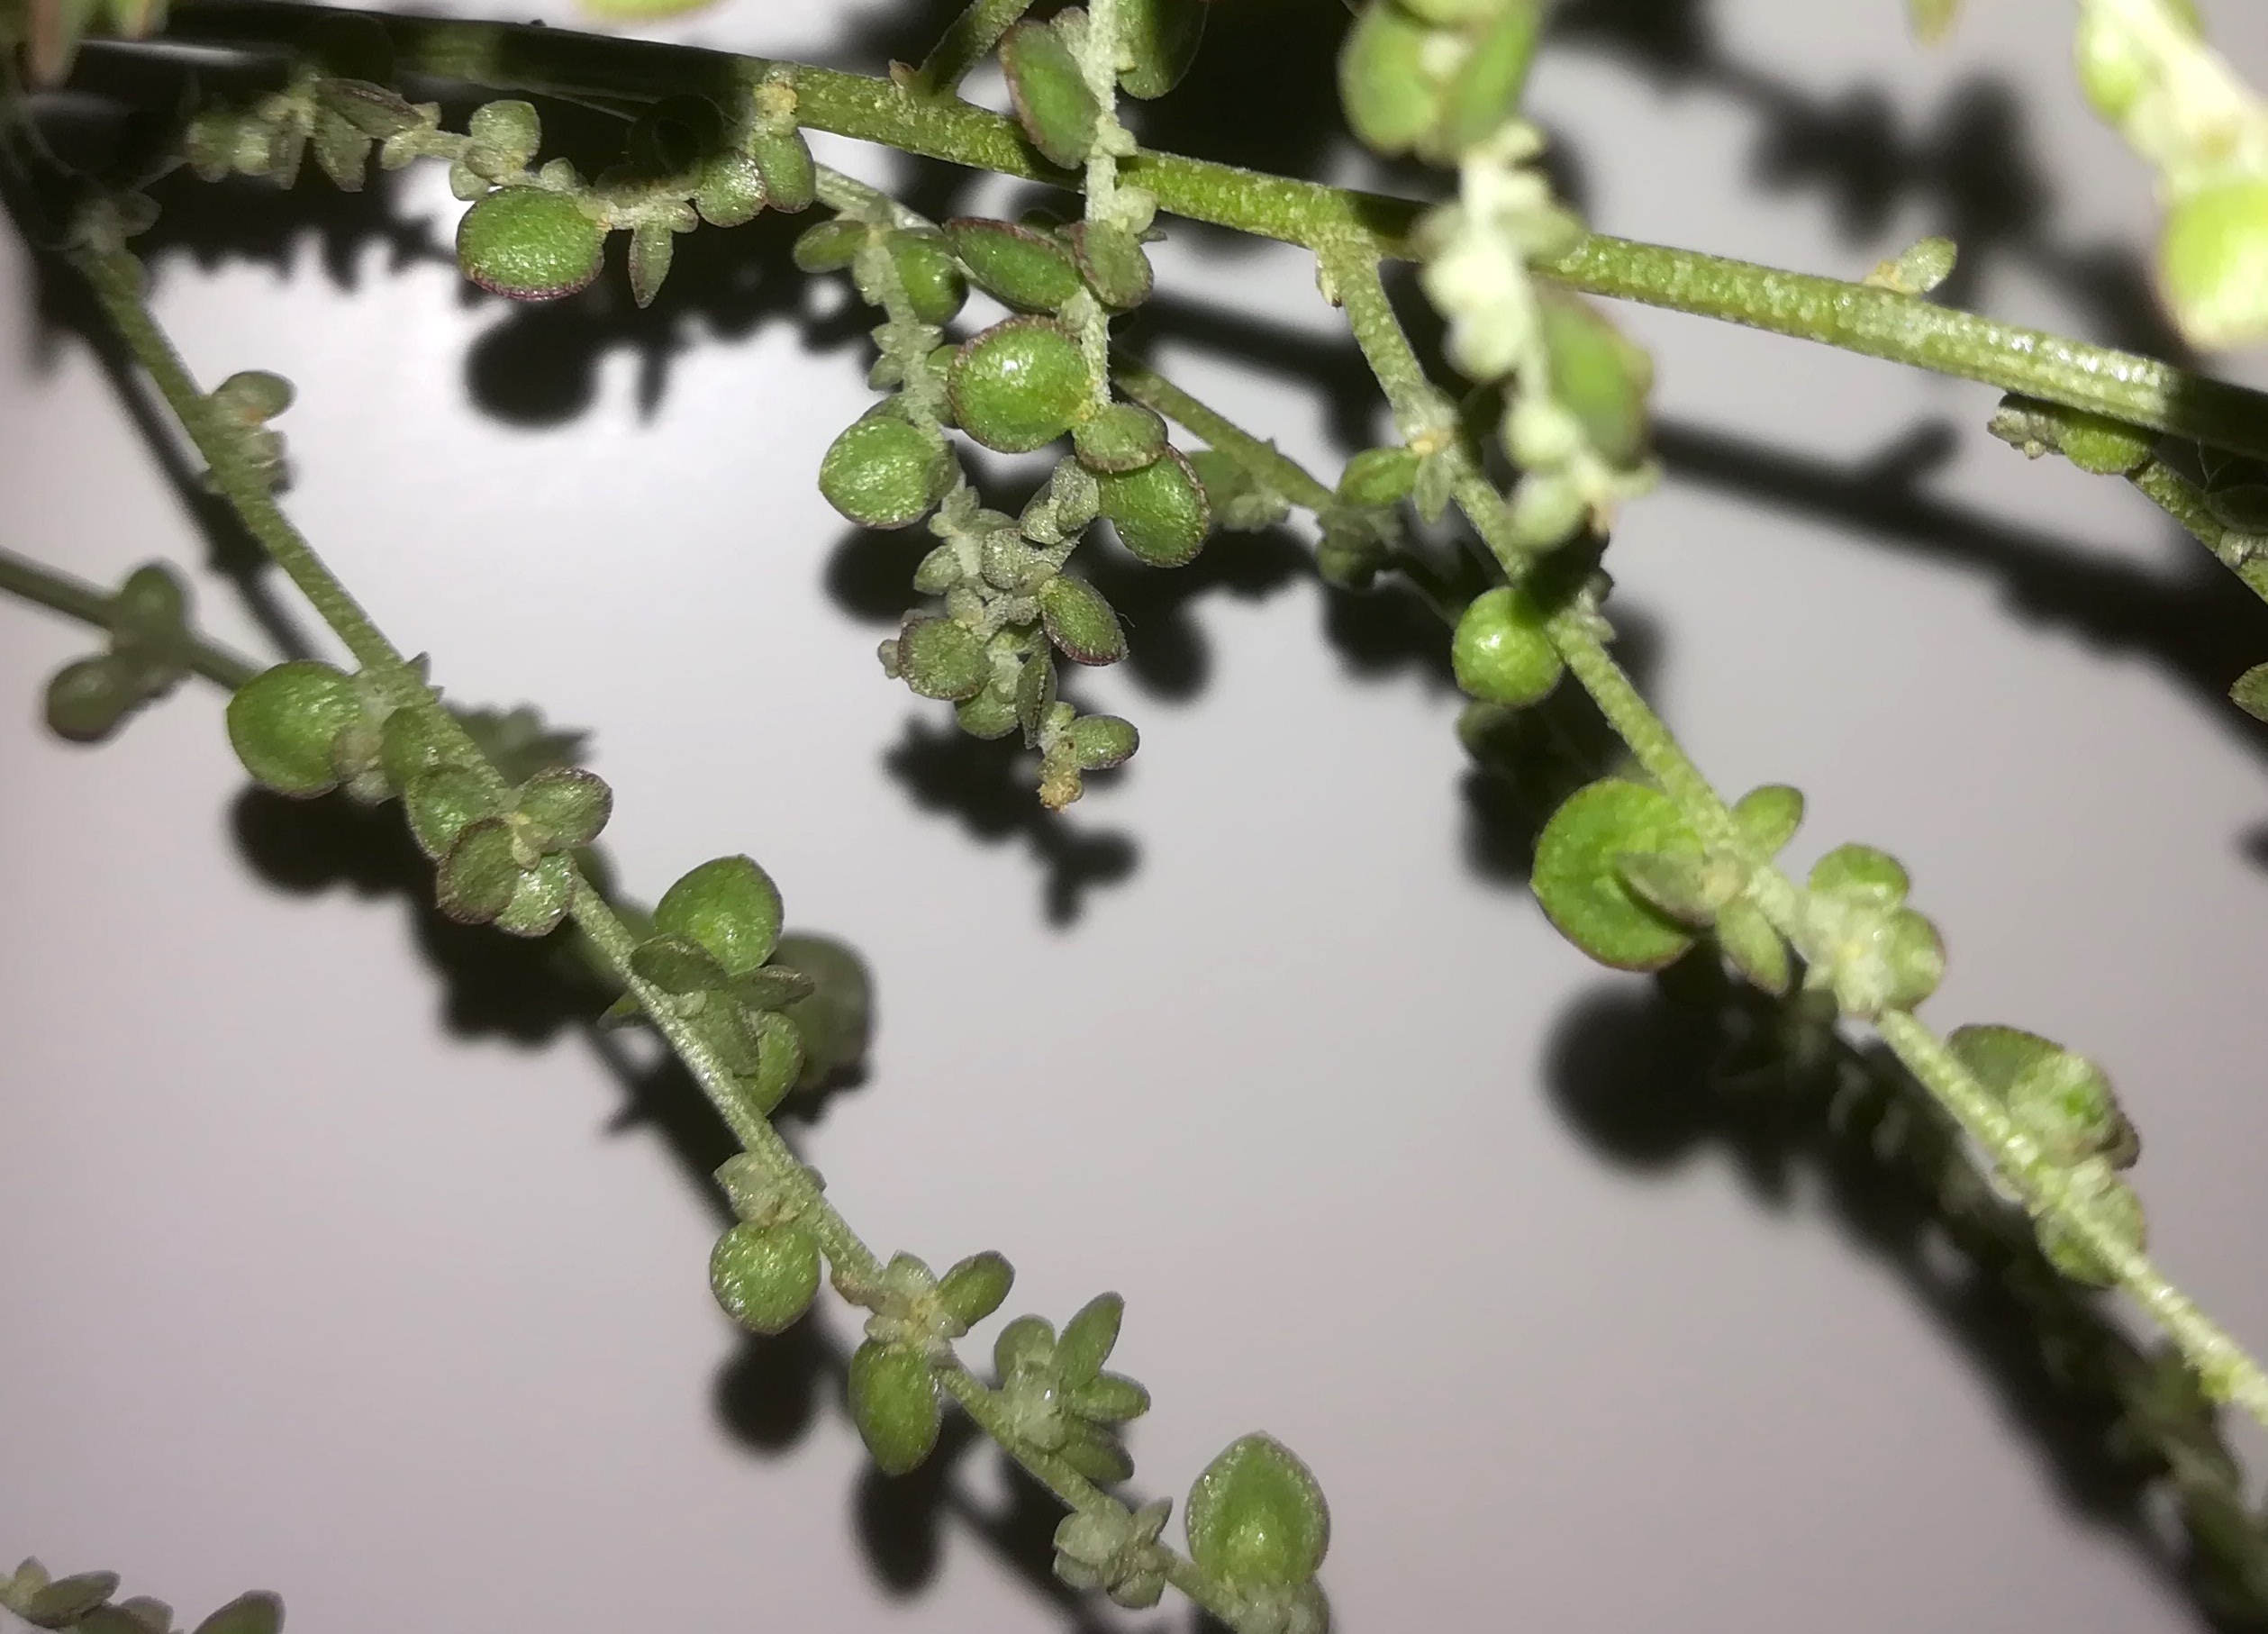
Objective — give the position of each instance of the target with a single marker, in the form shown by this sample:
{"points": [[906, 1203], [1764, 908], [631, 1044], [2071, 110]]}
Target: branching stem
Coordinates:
{"points": [[74, 598]]}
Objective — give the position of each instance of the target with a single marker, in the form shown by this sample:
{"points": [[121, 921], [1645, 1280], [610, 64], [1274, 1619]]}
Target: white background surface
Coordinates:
{"points": [[308, 1288]]}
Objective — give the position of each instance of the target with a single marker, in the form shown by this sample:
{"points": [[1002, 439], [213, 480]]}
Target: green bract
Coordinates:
{"points": [[1487, 86], [731, 190], [1028, 270], [1869, 950], [1113, 263], [729, 907], [893, 1403], [1018, 386], [1379, 476], [1502, 652], [1579, 880], [1099, 743], [940, 659], [1053, 104], [1256, 1517], [932, 276], [885, 472], [1161, 512], [529, 244], [1392, 100], [1597, 374], [283, 721], [831, 245], [2061, 1100], [2213, 263], [1768, 817], [1080, 622], [784, 160], [765, 1277], [1122, 437], [1160, 41], [973, 1289]]}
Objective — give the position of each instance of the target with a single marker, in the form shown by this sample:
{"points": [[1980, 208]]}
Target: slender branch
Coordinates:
{"points": [[76, 598], [1876, 323], [2243, 554], [118, 283], [966, 43], [1274, 469], [2227, 1371]]}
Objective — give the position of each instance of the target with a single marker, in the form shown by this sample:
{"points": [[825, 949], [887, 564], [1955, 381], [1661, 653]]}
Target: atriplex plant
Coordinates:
{"points": [[1541, 434]]}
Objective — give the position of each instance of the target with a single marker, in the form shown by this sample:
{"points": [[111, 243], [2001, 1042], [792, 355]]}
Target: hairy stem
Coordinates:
{"points": [[76, 598], [1877, 322], [2227, 1371], [2242, 554], [117, 277], [1274, 469]]}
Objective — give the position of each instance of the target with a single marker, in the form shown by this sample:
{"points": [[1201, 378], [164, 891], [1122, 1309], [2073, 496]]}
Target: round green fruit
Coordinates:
{"points": [[885, 472], [529, 244], [730, 906], [764, 1276], [1501, 652], [1018, 386], [932, 276], [1019, 266], [1160, 513], [283, 721]]}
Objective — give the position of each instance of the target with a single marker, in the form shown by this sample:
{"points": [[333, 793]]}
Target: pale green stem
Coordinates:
{"points": [[1833, 312], [2243, 554], [2226, 1370], [1269, 465], [74, 598]]}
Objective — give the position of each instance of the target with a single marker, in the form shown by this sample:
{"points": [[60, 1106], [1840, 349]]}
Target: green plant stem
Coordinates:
{"points": [[74, 598], [1877, 322], [2243, 554], [966, 42], [2227, 1371], [118, 284]]}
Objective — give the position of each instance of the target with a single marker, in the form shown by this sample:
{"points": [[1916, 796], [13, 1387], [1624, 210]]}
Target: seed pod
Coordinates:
{"points": [[932, 276], [1122, 437], [1391, 96], [728, 906], [529, 244], [765, 1277], [86, 700], [1079, 621], [1113, 263], [893, 1403], [1578, 878], [2213, 263], [1256, 1517], [1159, 512], [281, 724], [1026, 270], [1053, 104], [1501, 652], [731, 190], [1018, 386], [940, 659], [831, 245], [885, 472], [1598, 374], [1379, 476], [1487, 85], [974, 1287], [1159, 40], [1099, 743], [783, 158]]}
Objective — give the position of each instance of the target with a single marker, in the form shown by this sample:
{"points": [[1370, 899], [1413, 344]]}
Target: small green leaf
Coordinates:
{"points": [[784, 160], [1052, 101], [1089, 1338], [480, 872], [1676, 885], [1578, 877], [728, 906], [893, 1404], [1112, 262], [1393, 98], [779, 1062], [1752, 947], [932, 276], [1861, 874], [1597, 374], [1121, 437], [540, 899], [1161, 512], [1379, 476], [731, 190], [1256, 1517], [257, 1612], [282, 722], [1099, 743], [765, 1277], [974, 1287], [564, 808], [679, 964], [2250, 694], [2060, 1098], [68, 1599], [652, 247], [831, 245], [1768, 817], [1108, 1398], [1027, 1342], [1095, 1453], [836, 1018], [1485, 90], [1080, 622], [1159, 42], [1020, 385], [2213, 263]]}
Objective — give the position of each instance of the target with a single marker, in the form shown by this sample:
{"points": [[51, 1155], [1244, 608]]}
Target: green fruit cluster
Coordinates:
{"points": [[147, 656]]}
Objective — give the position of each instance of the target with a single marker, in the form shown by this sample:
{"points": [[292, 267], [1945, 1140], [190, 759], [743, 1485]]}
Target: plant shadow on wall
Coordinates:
{"points": [[1636, 1070]]}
